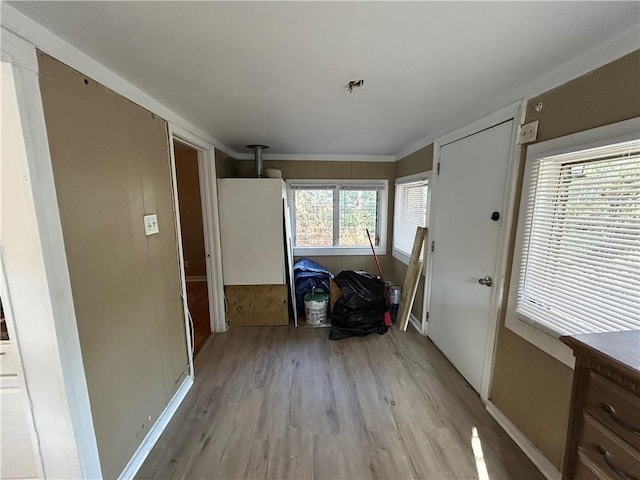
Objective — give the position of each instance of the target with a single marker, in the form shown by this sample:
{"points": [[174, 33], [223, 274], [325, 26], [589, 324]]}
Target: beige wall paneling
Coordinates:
{"points": [[225, 165], [310, 170], [190, 211], [530, 387], [111, 166], [417, 162]]}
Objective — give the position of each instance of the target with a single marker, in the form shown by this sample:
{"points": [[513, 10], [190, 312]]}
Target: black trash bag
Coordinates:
{"points": [[361, 307], [309, 275]]}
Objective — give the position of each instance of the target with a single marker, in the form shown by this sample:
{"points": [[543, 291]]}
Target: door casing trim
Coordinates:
{"points": [[516, 112], [210, 224]]}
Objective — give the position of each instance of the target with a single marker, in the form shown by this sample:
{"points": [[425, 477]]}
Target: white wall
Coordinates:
{"points": [[37, 281]]}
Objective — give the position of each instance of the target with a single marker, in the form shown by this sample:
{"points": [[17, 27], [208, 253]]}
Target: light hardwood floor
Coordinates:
{"points": [[281, 402]]}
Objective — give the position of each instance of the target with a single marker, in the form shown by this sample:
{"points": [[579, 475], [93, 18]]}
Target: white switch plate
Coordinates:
{"points": [[528, 133], [151, 224]]}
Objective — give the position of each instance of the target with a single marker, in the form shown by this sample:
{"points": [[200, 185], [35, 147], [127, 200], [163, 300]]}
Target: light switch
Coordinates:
{"points": [[151, 224], [528, 133]]}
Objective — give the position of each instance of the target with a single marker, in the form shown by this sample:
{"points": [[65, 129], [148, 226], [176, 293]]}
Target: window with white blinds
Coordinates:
{"points": [[579, 270], [410, 212]]}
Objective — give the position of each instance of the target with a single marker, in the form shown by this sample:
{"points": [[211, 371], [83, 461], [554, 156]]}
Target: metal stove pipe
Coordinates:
{"points": [[257, 150]]}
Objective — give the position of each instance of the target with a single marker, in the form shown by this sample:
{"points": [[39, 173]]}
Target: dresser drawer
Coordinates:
{"points": [[615, 407], [584, 471], [607, 452]]}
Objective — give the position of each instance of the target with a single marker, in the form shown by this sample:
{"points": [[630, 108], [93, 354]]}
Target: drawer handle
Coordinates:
{"points": [[607, 458], [612, 413]]}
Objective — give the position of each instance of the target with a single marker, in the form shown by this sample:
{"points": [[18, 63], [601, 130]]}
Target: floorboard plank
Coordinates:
{"points": [[281, 402]]}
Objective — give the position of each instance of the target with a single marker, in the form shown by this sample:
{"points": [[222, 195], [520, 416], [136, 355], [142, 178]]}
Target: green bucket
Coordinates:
{"points": [[315, 307]]}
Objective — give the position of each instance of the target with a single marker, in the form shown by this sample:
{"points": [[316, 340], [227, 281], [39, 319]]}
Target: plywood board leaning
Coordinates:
{"points": [[257, 305], [411, 280]]}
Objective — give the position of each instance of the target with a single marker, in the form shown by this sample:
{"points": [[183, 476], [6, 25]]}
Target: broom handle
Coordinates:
{"points": [[375, 257]]}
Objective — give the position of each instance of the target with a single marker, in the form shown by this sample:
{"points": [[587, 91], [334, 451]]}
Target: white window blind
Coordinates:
{"points": [[410, 212], [580, 265]]}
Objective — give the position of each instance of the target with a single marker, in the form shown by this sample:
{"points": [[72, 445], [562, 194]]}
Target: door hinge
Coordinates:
{"points": [[427, 315], [433, 245], [438, 169]]}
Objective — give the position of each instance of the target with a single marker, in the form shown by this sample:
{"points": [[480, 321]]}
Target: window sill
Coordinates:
{"points": [[541, 339], [403, 257], [335, 251]]}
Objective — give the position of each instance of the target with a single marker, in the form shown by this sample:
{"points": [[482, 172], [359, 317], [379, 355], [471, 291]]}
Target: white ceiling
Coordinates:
{"points": [[275, 72]]}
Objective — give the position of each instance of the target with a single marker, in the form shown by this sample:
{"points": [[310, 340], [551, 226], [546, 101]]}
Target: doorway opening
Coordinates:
{"points": [[193, 242]]}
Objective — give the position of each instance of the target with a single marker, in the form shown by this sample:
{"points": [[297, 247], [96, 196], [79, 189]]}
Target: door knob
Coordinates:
{"points": [[486, 281]]}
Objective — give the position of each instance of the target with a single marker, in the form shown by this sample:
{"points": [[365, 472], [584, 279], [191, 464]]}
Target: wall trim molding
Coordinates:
{"points": [[414, 321], [197, 278], [155, 431], [304, 157], [529, 449]]}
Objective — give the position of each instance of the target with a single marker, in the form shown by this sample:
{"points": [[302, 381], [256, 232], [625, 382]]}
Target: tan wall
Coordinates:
{"points": [[529, 386], [418, 162], [190, 212], [111, 166], [225, 165], [335, 170]]}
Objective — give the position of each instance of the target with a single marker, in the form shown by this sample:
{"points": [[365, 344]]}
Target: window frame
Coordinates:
{"points": [[415, 178], [382, 213], [541, 336]]}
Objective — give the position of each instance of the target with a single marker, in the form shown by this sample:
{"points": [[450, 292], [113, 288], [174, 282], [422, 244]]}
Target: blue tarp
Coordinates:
{"points": [[308, 274]]}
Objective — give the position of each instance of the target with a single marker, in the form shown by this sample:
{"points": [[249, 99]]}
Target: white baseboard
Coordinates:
{"points": [[152, 437], [529, 449], [200, 278], [415, 322]]}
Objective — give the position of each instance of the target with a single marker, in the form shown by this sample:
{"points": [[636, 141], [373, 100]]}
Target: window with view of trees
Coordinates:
{"points": [[580, 261], [337, 215]]}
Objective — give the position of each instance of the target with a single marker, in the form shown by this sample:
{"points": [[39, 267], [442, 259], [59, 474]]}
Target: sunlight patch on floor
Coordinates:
{"points": [[478, 456]]}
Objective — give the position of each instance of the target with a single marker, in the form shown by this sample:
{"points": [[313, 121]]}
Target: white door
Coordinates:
{"points": [[471, 186]]}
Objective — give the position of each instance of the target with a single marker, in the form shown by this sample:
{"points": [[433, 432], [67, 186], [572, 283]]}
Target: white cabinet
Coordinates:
{"points": [[257, 255], [251, 230]]}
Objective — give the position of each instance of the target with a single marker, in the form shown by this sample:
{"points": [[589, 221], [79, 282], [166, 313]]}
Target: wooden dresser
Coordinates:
{"points": [[603, 440]]}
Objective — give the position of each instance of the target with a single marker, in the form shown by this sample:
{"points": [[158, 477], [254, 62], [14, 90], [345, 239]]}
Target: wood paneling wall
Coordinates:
{"points": [[111, 166], [418, 162], [190, 211], [292, 169], [225, 165], [529, 386]]}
